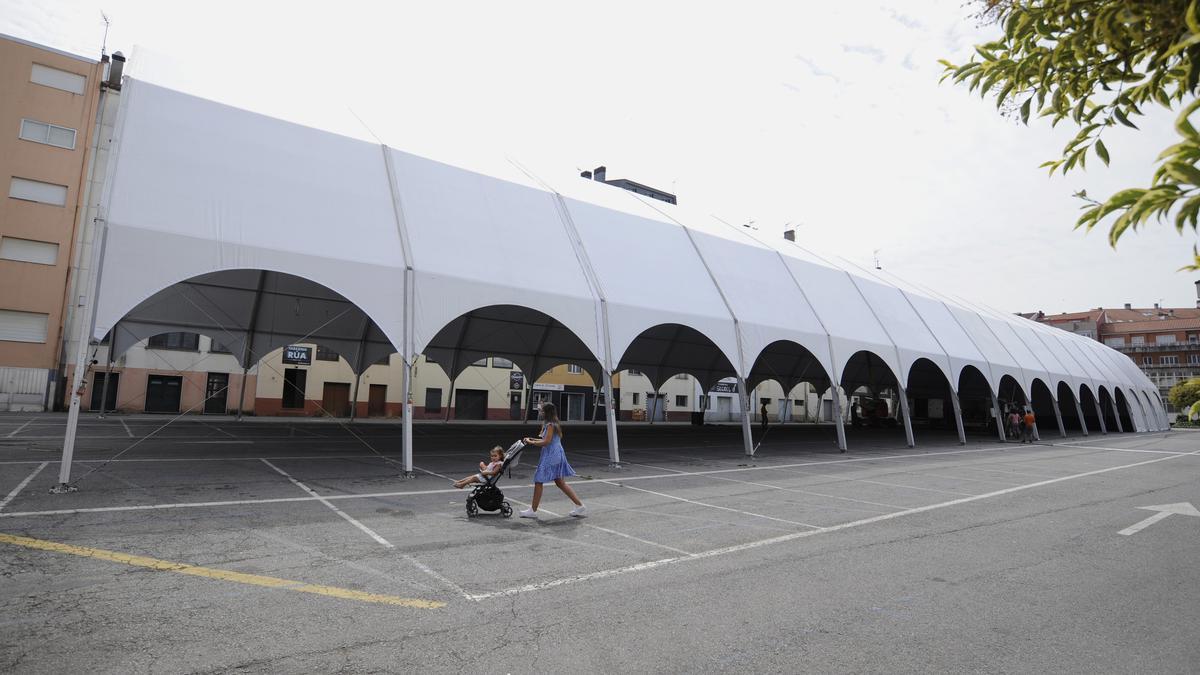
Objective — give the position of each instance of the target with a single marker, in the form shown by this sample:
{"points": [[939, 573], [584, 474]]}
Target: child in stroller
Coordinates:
{"points": [[486, 495]]}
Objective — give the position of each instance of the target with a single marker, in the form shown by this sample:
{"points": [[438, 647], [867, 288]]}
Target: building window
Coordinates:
{"points": [[433, 400], [498, 362], [763, 400], [1115, 341], [218, 347], [680, 401], [683, 376], [481, 363], [798, 403], [48, 134], [58, 79], [1169, 360], [28, 250], [637, 398], [574, 369], [23, 326], [1193, 359], [1137, 340], [1164, 339], [1147, 361], [631, 371], [189, 342], [37, 191], [326, 354]]}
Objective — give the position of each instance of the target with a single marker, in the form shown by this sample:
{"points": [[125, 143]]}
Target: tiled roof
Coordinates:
{"points": [[1152, 326]]}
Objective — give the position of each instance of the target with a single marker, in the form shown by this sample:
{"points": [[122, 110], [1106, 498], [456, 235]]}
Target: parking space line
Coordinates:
{"points": [[816, 494], [17, 490], [838, 478], [18, 429], [604, 574], [371, 533], [127, 431], [1097, 447], [609, 531], [222, 575], [710, 506]]}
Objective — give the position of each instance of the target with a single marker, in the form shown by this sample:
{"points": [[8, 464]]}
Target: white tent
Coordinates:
{"points": [[260, 233]]}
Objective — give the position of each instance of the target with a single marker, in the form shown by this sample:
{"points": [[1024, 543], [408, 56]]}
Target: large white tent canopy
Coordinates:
{"points": [[260, 232]]}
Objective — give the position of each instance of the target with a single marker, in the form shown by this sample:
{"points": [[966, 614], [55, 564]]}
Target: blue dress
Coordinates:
{"points": [[553, 463]]}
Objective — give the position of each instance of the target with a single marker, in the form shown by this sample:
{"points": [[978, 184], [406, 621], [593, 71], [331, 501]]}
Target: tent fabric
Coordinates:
{"points": [[260, 232]]}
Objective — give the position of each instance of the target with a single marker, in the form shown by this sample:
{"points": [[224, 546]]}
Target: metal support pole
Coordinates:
{"points": [[652, 407], [1100, 415], [449, 402], [406, 453], [838, 422], [1116, 416], [908, 432], [1082, 422], [354, 396], [744, 399], [242, 395], [999, 418], [958, 420], [1062, 428], [610, 413], [107, 381]]}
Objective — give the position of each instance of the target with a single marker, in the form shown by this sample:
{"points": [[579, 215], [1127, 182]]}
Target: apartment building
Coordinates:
{"points": [[47, 115]]}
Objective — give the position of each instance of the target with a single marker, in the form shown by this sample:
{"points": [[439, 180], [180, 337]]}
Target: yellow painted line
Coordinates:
{"points": [[223, 575]]}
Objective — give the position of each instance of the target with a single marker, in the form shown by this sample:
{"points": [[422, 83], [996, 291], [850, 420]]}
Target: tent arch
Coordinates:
{"points": [[1010, 390], [667, 349], [789, 363], [253, 312]]}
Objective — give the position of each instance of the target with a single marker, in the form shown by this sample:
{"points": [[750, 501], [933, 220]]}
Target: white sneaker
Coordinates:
{"points": [[579, 511], [528, 513]]}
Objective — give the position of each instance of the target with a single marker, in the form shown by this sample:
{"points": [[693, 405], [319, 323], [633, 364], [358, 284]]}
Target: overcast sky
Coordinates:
{"points": [[826, 115]]}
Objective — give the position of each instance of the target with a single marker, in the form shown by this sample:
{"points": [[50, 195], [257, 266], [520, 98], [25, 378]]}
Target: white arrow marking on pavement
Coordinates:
{"points": [[1164, 510]]}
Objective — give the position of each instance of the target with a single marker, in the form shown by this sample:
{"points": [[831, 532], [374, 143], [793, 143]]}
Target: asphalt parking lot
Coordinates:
{"points": [[296, 546]]}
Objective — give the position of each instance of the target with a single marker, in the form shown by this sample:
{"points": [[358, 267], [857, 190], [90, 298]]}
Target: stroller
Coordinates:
{"points": [[486, 496]]}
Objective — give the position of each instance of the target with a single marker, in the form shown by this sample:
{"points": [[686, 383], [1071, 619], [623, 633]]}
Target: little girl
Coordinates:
{"points": [[495, 461]]}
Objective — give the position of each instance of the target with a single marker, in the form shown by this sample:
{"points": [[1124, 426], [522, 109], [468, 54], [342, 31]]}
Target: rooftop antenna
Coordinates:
{"points": [[104, 42], [875, 254], [750, 224]]}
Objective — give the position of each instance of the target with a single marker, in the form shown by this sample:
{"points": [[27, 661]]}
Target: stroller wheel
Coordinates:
{"points": [[472, 509], [506, 510]]}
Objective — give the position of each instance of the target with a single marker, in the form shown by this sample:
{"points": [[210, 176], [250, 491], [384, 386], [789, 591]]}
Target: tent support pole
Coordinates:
{"points": [[610, 414], [838, 422], [107, 381], [354, 396], [1116, 415], [958, 420], [595, 405], [1100, 415], [449, 402], [242, 395], [747, 436], [908, 432], [1082, 422], [652, 407], [1062, 428], [406, 451], [999, 419]]}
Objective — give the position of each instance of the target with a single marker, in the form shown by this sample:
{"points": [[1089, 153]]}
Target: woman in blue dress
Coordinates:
{"points": [[552, 466]]}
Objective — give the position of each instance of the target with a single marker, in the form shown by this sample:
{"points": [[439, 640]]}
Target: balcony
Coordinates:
{"points": [[1175, 347]]}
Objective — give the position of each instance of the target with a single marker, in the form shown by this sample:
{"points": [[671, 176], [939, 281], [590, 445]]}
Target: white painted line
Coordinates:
{"points": [[127, 431], [1097, 447], [17, 490], [603, 574], [605, 529], [1134, 529], [371, 533], [216, 442], [710, 506], [838, 478], [806, 492], [18, 429], [433, 573], [1164, 510]]}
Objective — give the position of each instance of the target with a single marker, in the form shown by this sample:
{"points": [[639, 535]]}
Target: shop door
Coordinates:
{"points": [[572, 406], [216, 394], [335, 399], [163, 392], [724, 408], [470, 404], [514, 405], [827, 411], [654, 406], [377, 401], [110, 401]]}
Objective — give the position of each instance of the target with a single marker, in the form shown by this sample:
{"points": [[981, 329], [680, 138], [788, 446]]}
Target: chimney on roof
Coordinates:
{"points": [[586, 174], [790, 235], [114, 71], [599, 172], [1156, 305], [1128, 306]]}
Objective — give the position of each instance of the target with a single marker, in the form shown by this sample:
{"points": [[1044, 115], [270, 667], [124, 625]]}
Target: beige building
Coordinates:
{"points": [[47, 114]]}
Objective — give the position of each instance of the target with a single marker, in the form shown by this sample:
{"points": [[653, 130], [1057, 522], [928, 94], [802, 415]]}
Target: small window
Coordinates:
{"points": [[1138, 340], [1147, 360], [1169, 360], [631, 371], [1193, 359], [481, 362], [58, 79], [1115, 341], [189, 342], [799, 403], [48, 134], [682, 376], [326, 354], [218, 347], [1193, 338], [763, 400], [574, 369], [28, 250], [23, 326], [433, 400], [498, 362], [637, 398], [680, 401], [37, 191], [1164, 339]]}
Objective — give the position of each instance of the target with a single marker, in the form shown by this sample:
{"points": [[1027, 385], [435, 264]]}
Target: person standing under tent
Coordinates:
{"points": [[762, 417], [1027, 423], [552, 465]]}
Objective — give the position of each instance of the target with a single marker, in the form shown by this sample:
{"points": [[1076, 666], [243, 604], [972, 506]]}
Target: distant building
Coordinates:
{"points": [[600, 173], [1163, 341]]}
